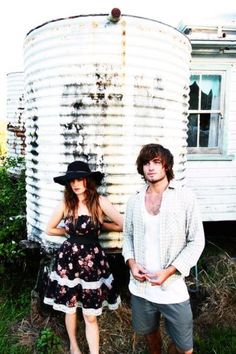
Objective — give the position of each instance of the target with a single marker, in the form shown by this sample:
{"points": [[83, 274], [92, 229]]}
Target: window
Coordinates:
{"points": [[205, 113]]}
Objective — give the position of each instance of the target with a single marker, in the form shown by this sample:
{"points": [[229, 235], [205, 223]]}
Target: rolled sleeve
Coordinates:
{"points": [[195, 240], [128, 244]]}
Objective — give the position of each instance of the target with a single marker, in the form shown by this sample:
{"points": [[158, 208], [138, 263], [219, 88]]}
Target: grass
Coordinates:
{"points": [[26, 327], [215, 325], [12, 312], [219, 340], [116, 335]]}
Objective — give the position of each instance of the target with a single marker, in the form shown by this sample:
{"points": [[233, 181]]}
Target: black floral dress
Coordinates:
{"points": [[81, 275]]}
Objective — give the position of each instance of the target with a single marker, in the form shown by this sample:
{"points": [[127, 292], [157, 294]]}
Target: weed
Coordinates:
{"points": [[217, 340], [48, 342], [218, 280], [13, 211], [12, 312]]}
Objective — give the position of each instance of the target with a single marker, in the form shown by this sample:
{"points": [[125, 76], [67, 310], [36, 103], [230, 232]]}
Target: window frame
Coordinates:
{"points": [[221, 111]]}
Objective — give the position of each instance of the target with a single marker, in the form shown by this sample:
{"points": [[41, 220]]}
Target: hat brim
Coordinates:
{"points": [[69, 176]]}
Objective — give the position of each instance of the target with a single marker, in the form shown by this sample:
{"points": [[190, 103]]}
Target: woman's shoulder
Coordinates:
{"points": [[101, 197], [103, 200], [62, 208]]}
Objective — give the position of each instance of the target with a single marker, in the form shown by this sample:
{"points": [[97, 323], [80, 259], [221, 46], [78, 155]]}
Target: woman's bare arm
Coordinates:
{"points": [[116, 219], [52, 228]]}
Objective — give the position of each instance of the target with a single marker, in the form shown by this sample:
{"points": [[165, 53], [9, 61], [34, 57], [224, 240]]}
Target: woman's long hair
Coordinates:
{"points": [[91, 200]]}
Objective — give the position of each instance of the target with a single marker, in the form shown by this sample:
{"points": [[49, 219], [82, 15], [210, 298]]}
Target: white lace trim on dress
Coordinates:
{"points": [[64, 281], [90, 311]]}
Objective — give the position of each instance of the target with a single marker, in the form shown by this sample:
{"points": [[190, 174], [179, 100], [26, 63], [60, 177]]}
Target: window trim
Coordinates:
{"points": [[210, 150], [208, 157]]}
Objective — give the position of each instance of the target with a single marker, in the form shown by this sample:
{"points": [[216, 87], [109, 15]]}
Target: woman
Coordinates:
{"points": [[81, 276]]}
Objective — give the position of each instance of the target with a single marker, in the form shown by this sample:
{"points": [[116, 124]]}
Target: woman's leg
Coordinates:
{"points": [[71, 326], [92, 333]]}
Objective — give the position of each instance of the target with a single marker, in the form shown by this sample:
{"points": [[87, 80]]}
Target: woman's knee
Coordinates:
{"points": [[71, 315], [90, 319]]}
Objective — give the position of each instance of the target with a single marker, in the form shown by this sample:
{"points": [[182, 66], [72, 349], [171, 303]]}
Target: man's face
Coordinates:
{"points": [[154, 171]]}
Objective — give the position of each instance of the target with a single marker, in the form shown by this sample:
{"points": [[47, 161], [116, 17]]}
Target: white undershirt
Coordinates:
{"points": [[177, 290], [152, 241]]}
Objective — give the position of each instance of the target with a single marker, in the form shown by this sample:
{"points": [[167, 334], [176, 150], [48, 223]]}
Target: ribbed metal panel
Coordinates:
{"points": [[98, 91], [15, 114]]}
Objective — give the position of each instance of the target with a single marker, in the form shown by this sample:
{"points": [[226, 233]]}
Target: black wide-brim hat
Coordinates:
{"points": [[78, 170]]}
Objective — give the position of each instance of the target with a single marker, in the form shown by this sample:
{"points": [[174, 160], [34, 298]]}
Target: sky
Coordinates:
{"points": [[17, 18]]}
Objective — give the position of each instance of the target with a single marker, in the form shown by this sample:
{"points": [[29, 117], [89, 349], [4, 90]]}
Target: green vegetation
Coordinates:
{"points": [[13, 210], [215, 326], [13, 308], [219, 340], [48, 343], [14, 298]]}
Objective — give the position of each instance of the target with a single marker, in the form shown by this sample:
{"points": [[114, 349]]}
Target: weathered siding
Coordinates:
{"points": [[214, 181]]}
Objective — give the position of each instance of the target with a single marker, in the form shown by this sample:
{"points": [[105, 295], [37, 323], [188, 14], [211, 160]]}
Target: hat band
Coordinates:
{"points": [[78, 171]]}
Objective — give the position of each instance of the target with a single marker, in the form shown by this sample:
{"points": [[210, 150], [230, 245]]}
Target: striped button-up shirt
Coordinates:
{"points": [[181, 232]]}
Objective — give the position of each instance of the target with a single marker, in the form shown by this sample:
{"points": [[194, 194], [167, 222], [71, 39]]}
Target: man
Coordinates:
{"points": [[163, 239]]}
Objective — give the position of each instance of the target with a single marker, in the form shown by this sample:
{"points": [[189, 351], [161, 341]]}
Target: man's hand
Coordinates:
{"points": [[159, 277], [139, 273]]}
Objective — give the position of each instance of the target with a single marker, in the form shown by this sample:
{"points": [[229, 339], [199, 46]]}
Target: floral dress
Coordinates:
{"points": [[81, 275]]}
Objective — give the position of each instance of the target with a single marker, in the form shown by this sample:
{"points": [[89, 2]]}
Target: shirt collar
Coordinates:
{"points": [[172, 184]]}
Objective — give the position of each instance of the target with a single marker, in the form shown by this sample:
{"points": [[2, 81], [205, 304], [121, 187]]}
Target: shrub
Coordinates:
{"points": [[48, 342], [13, 209]]}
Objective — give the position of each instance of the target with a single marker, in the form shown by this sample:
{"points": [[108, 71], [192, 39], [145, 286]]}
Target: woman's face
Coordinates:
{"points": [[78, 185]]}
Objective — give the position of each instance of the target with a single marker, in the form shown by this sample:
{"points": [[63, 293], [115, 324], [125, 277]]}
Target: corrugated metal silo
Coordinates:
{"points": [[15, 114], [98, 90]]}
